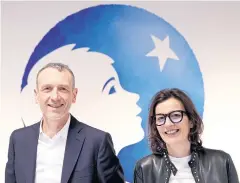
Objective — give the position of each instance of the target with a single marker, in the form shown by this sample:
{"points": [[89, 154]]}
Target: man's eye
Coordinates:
{"points": [[47, 88]]}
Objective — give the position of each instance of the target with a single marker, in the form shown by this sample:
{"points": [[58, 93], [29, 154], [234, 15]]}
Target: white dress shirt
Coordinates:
{"points": [[50, 155], [184, 173]]}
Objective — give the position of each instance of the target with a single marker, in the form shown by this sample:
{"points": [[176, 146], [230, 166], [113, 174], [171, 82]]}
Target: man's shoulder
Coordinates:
{"points": [[23, 132], [94, 136], [90, 130]]}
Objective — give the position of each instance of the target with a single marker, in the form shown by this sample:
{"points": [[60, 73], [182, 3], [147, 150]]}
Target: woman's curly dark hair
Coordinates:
{"points": [[156, 142]]}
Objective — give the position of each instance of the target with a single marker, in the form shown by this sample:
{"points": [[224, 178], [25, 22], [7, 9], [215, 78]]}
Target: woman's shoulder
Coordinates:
{"points": [[216, 153], [148, 160]]}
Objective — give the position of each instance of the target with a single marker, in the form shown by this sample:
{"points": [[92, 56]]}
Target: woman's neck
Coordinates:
{"points": [[179, 150]]}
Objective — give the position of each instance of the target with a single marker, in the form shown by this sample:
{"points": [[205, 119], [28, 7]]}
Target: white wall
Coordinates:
{"points": [[211, 28]]}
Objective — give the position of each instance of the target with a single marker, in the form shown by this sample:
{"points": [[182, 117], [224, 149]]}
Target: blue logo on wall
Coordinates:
{"points": [[148, 53]]}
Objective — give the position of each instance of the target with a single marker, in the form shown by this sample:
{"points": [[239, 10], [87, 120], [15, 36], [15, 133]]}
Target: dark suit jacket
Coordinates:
{"points": [[89, 156]]}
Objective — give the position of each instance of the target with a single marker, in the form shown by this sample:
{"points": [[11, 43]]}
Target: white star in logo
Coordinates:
{"points": [[162, 51]]}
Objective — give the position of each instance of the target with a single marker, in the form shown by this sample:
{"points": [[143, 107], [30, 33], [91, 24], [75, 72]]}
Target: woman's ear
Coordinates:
{"points": [[191, 124]]}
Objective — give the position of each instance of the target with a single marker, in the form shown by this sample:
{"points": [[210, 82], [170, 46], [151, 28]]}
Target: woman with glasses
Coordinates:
{"points": [[177, 152]]}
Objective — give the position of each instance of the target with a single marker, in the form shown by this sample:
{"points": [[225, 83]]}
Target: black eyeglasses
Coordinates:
{"points": [[174, 116]]}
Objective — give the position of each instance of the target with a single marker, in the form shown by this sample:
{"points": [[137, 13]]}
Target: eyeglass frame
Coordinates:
{"points": [[168, 115]]}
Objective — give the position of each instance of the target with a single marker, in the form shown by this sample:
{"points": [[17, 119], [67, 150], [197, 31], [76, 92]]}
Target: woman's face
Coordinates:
{"points": [[172, 133]]}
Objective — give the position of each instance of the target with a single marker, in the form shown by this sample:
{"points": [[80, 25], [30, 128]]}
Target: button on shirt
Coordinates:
{"points": [[50, 155]]}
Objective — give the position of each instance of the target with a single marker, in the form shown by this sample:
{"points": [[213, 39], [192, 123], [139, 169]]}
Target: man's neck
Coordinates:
{"points": [[179, 150], [51, 127]]}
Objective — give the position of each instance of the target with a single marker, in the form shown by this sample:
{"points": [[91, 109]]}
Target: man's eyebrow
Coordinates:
{"points": [[63, 85]]}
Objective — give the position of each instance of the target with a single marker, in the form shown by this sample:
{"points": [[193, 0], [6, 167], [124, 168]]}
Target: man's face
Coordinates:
{"points": [[55, 93]]}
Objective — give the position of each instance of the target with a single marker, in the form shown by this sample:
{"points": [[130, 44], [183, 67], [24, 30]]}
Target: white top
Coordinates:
{"points": [[50, 155], [184, 174]]}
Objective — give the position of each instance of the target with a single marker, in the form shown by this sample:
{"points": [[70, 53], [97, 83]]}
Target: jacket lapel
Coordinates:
{"points": [[73, 148], [30, 152]]}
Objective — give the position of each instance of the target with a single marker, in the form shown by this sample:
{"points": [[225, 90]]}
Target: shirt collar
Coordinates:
{"points": [[62, 133]]}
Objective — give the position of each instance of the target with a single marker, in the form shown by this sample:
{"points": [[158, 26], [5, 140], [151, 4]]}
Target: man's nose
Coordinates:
{"points": [[54, 94]]}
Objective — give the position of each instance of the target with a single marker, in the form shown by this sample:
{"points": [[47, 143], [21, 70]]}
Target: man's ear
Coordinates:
{"points": [[75, 92], [36, 96]]}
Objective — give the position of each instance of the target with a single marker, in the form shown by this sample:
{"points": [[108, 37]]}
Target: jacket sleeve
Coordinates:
{"points": [[108, 165], [138, 177], [9, 170], [231, 170]]}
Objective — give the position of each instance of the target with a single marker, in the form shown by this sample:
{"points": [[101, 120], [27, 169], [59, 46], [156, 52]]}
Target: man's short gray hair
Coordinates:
{"points": [[60, 67]]}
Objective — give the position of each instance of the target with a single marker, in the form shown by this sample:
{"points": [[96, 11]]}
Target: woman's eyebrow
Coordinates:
{"points": [[112, 78]]}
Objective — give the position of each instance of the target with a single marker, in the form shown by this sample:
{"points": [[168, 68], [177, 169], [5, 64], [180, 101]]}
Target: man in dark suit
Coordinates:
{"points": [[59, 148]]}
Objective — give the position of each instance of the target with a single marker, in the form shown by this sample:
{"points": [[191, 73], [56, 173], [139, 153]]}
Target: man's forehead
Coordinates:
{"points": [[52, 69], [45, 77], [48, 71]]}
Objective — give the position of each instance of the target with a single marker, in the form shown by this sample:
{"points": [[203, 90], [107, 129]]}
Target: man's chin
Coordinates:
{"points": [[55, 117]]}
